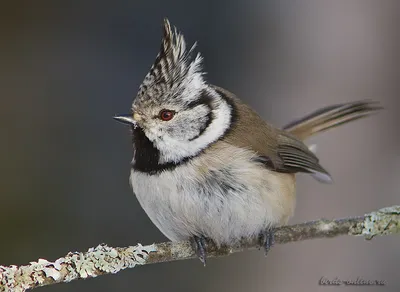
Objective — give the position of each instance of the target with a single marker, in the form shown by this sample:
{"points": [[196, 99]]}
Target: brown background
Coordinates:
{"points": [[66, 67]]}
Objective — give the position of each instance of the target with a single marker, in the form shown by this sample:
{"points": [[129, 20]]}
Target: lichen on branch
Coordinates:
{"points": [[110, 260]]}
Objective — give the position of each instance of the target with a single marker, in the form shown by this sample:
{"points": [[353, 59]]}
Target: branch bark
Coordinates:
{"points": [[110, 260]]}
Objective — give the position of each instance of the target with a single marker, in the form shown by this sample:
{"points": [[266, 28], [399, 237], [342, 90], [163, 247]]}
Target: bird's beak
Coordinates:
{"points": [[126, 119]]}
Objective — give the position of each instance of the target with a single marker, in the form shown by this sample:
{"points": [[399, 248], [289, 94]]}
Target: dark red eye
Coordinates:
{"points": [[166, 115]]}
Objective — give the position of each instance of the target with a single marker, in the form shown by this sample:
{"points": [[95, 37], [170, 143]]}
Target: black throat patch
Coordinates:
{"points": [[146, 155]]}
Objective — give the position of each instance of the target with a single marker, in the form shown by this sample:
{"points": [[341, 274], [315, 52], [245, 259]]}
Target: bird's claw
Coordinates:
{"points": [[267, 239], [200, 246]]}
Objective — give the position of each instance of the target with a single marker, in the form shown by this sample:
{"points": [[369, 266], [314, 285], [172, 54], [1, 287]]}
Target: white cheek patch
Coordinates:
{"points": [[188, 124], [174, 150]]}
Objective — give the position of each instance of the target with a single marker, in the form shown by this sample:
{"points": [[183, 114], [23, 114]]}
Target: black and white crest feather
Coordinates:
{"points": [[175, 72]]}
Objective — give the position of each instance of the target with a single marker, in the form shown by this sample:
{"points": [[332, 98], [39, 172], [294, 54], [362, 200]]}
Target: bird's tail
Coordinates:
{"points": [[330, 117]]}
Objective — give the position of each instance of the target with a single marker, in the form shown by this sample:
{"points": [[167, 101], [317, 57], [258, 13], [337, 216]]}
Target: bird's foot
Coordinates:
{"points": [[267, 239], [200, 245]]}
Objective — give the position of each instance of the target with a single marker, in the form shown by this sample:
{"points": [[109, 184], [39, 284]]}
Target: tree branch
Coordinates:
{"points": [[109, 260]]}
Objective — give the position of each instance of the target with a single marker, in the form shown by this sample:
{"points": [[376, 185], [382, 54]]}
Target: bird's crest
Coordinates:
{"points": [[174, 70]]}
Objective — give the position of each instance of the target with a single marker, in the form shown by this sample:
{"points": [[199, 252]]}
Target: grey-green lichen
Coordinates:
{"points": [[96, 261], [109, 260], [382, 222]]}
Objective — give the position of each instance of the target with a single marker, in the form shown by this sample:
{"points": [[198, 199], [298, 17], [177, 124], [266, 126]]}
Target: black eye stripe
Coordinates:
{"points": [[203, 99], [207, 123]]}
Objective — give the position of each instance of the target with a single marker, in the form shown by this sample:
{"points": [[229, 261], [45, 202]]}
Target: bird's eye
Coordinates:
{"points": [[166, 115]]}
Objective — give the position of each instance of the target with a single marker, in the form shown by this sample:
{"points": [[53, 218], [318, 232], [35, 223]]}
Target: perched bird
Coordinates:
{"points": [[205, 165]]}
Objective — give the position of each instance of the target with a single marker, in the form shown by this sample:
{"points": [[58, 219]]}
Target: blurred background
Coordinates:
{"points": [[67, 67]]}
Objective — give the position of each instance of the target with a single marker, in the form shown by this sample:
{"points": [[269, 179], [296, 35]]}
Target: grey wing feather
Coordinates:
{"points": [[330, 117], [296, 158]]}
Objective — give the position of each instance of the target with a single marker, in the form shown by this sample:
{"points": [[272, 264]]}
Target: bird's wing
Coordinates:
{"points": [[276, 149]]}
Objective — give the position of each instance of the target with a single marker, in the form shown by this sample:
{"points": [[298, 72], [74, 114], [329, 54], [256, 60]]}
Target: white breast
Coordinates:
{"points": [[222, 194]]}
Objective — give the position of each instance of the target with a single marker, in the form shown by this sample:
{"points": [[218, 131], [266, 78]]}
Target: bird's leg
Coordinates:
{"points": [[200, 245], [267, 239]]}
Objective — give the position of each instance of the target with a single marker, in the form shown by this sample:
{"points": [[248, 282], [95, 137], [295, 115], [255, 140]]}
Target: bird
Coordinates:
{"points": [[205, 165]]}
